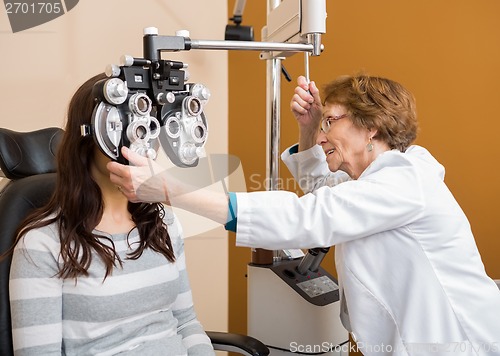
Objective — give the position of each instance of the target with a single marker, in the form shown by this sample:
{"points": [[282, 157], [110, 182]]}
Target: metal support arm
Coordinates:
{"points": [[155, 44]]}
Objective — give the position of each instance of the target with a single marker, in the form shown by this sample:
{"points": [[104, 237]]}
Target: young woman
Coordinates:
{"points": [[93, 274]]}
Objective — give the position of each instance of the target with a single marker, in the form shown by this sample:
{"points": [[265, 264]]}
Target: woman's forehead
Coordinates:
{"points": [[334, 109]]}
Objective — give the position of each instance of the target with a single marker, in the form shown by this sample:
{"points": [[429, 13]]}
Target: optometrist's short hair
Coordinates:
{"points": [[377, 103]]}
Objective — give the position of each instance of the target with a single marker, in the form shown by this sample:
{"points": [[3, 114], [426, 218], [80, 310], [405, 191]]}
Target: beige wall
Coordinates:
{"points": [[446, 52], [40, 68]]}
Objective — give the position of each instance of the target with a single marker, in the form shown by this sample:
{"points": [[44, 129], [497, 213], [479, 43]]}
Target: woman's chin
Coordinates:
{"points": [[332, 164]]}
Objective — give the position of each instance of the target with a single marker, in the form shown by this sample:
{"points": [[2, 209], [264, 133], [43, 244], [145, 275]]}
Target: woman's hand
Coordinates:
{"points": [[306, 104], [141, 181], [307, 108], [146, 181]]}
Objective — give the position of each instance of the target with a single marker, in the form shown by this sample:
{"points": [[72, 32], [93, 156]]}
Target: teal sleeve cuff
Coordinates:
{"points": [[232, 215], [293, 149]]}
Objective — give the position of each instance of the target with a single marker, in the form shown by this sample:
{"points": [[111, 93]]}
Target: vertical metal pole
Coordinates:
{"points": [[273, 90], [273, 123], [273, 83]]}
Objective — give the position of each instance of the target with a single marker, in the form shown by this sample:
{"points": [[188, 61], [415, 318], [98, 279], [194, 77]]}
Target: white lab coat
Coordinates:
{"points": [[411, 278]]}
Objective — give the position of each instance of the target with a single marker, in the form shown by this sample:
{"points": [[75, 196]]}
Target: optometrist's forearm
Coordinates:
{"points": [[307, 137], [201, 201]]}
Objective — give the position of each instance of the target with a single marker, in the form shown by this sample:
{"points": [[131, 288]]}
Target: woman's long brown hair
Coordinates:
{"points": [[77, 207]]}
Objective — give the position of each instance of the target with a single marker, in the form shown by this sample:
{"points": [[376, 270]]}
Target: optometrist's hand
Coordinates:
{"points": [[306, 104], [144, 180], [307, 108], [141, 181]]}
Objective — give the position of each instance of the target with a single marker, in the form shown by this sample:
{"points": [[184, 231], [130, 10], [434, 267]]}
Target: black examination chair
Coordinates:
{"points": [[27, 161]]}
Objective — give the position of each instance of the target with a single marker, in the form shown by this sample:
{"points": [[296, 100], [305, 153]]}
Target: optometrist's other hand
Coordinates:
{"points": [[306, 104], [141, 181]]}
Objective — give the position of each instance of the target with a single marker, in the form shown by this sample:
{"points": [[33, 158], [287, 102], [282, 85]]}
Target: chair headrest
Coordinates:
{"points": [[24, 154]]}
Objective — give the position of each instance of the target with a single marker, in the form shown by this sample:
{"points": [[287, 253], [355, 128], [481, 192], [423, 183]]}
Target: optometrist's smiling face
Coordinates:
{"points": [[344, 144]]}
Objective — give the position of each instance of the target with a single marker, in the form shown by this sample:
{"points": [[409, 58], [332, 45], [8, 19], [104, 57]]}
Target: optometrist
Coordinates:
{"points": [[411, 277]]}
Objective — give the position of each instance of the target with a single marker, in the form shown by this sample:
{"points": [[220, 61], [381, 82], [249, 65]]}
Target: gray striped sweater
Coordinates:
{"points": [[144, 308]]}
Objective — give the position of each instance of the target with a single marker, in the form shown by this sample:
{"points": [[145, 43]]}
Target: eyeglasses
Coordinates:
{"points": [[327, 122]]}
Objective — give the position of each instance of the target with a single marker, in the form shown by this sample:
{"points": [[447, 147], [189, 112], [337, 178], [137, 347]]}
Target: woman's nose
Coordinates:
{"points": [[321, 139]]}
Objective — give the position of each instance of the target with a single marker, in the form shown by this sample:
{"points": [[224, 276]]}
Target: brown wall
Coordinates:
{"points": [[446, 52]]}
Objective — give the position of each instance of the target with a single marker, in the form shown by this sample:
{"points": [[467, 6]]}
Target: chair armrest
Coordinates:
{"points": [[242, 344]]}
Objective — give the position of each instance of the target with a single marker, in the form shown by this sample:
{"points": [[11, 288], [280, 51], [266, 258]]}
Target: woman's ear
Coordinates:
{"points": [[372, 132]]}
